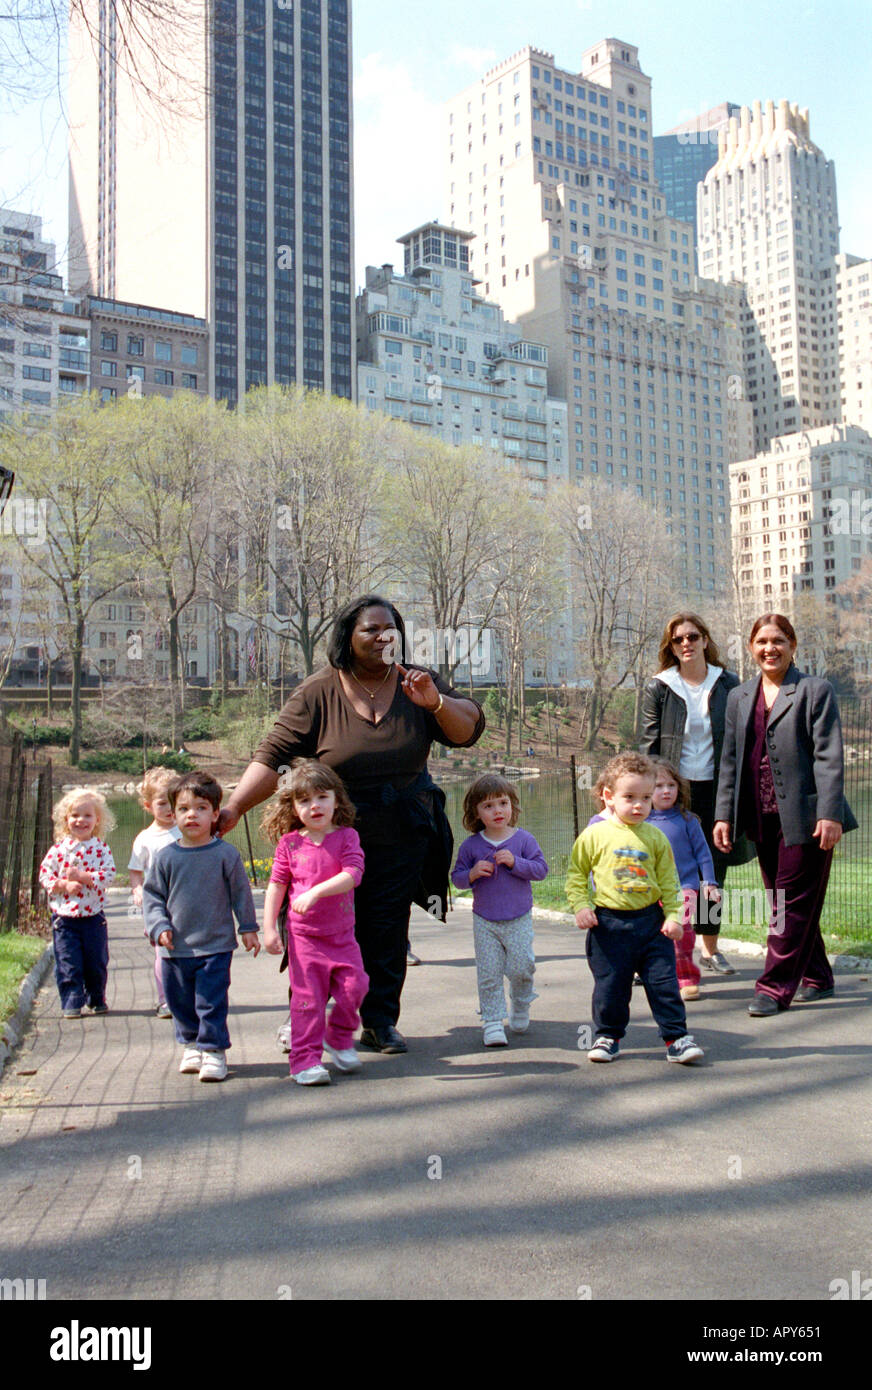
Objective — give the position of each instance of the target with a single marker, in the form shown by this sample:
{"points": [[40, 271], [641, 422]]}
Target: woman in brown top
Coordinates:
{"points": [[373, 721]]}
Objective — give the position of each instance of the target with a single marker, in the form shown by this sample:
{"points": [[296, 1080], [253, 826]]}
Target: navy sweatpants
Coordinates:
{"points": [[81, 952], [620, 945]]}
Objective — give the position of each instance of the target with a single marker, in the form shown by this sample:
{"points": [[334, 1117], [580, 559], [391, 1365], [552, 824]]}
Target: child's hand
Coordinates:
{"points": [[74, 887], [251, 941], [272, 942], [76, 875], [305, 901], [88, 880], [585, 918], [712, 892], [137, 894], [674, 930], [483, 868], [505, 856], [166, 939]]}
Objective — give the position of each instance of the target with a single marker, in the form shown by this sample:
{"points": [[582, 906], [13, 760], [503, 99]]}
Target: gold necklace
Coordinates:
{"points": [[371, 693]]}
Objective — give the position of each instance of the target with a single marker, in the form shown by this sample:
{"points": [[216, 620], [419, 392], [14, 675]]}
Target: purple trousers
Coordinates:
{"points": [[321, 966], [797, 877]]}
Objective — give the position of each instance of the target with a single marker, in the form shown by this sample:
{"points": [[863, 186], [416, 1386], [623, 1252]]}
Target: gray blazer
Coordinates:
{"points": [[804, 744]]}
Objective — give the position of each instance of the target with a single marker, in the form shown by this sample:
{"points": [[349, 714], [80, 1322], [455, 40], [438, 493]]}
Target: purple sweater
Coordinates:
{"points": [[693, 858], [507, 893]]}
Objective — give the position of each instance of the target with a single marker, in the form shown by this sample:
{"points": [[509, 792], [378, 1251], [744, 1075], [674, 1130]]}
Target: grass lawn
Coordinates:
{"points": [[17, 955]]}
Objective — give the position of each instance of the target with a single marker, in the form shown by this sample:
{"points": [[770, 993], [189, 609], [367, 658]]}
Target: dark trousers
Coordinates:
{"points": [[197, 988], [81, 952], [797, 877], [707, 915], [382, 905], [620, 945]]}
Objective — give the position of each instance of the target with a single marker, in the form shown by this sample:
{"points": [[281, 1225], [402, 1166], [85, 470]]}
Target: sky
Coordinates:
{"points": [[411, 56]]}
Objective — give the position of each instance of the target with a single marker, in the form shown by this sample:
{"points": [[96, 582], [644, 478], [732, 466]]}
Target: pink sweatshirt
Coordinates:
{"points": [[302, 864]]}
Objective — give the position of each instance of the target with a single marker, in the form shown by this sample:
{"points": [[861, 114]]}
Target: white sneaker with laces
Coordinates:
{"points": [[494, 1035], [214, 1066], [192, 1059], [344, 1059], [312, 1076]]}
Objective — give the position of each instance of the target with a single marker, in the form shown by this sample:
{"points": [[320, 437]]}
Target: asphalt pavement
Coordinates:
{"points": [[450, 1172]]}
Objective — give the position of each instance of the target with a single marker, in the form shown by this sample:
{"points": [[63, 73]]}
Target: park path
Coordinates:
{"points": [[447, 1173]]}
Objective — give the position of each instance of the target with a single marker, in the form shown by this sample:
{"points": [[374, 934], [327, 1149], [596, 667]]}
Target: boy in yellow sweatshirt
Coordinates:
{"points": [[623, 887]]}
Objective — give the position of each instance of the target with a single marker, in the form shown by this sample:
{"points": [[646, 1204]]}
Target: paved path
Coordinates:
{"points": [[121, 1178]]}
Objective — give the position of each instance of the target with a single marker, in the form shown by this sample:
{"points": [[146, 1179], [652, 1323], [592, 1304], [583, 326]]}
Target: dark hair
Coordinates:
{"points": [[778, 620], [662, 765], [666, 656], [339, 645], [483, 788], [305, 775], [199, 784]]}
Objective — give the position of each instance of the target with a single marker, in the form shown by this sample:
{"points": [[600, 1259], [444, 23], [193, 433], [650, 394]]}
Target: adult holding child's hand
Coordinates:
{"points": [[373, 718]]}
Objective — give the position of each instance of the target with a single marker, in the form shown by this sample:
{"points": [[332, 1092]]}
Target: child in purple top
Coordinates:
{"points": [[318, 863], [671, 813], [498, 862]]}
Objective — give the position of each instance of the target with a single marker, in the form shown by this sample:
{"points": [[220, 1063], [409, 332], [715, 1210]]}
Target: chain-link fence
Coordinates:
{"points": [[25, 828]]}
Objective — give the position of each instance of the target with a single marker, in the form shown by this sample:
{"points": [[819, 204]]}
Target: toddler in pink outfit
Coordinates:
{"points": [[318, 864]]}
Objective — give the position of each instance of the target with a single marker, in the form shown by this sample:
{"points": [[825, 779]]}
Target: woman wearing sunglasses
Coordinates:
{"points": [[683, 711]]}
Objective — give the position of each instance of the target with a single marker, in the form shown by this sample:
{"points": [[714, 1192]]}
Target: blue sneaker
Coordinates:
{"points": [[684, 1050], [604, 1050]]}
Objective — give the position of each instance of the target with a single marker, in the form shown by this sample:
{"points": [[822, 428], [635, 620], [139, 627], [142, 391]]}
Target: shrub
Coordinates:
{"points": [[118, 760], [44, 733]]}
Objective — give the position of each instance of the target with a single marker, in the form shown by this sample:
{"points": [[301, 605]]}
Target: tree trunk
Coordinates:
{"points": [[76, 692]]}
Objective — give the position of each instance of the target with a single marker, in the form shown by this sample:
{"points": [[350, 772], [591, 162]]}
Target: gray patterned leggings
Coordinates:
{"points": [[503, 948]]}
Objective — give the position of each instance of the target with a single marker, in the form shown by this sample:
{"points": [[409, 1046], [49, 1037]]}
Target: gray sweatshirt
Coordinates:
{"points": [[194, 893]]}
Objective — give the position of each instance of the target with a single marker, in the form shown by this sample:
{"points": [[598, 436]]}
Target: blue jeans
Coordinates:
{"points": [[81, 952], [623, 943], [197, 988]]}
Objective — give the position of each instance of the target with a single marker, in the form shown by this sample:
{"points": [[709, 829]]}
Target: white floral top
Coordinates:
{"points": [[95, 857]]}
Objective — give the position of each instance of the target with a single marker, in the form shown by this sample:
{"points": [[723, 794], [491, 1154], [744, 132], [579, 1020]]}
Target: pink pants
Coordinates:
{"points": [[321, 966], [687, 969]]}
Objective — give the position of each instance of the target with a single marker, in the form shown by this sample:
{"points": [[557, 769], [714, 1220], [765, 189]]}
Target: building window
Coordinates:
{"points": [[108, 341], [163, 377], [135, 346], [163, 350]]}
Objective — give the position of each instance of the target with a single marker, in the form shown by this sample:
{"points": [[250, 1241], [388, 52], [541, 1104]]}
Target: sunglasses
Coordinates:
{"points": [[688, 637]]}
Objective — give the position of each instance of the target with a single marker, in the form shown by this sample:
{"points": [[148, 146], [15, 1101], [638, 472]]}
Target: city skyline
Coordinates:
{"points": [[401, 67]]}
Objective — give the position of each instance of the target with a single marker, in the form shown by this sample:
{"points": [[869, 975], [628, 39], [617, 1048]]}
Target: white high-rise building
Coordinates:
{"points": [[854, 309], [767, 218], [552, 169]]}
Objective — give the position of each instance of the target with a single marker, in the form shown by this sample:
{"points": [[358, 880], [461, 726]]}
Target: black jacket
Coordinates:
{"points": [[664, 715]]}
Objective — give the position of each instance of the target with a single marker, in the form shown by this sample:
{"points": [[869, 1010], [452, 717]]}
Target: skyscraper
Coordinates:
{"points": [[552, 169], [236, 205], [767, 218], [684, 155]]}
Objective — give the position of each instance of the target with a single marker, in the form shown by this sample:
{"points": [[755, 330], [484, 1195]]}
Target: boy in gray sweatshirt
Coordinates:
{"points": [[190, 895]]}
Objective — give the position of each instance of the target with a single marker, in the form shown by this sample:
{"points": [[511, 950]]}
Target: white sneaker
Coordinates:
{"points": [[312, 1076], [283, 1037], [192, 1059], [214, 1066], [494, 1035], [344, 1059], [519, 1017]]}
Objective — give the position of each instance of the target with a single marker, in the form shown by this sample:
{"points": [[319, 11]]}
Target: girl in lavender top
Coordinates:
{"points": [[498, 861]]}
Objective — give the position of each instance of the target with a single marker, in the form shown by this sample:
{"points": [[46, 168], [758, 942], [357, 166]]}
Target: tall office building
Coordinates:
{"points": [[767, 217], [234, 206], [684, 155], [854, 311], [553, 170]]}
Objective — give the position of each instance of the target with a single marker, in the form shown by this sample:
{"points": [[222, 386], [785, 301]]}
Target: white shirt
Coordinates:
{"points": [[147, 844], [697, 749]]}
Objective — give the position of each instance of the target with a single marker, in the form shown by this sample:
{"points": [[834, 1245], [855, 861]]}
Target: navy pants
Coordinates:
{"points": [[197, 989], [620, 945], [81, 952]]}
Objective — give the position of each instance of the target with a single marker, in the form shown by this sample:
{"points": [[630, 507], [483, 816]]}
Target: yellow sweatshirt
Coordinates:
{"points": [[632, 865]]}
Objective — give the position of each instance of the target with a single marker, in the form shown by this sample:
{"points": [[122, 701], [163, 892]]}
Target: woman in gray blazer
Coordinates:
{"points": [[781, 783]]}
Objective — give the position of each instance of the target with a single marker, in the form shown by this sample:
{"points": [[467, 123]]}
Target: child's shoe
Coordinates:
{"points": [[494, 1035], [689, 991], [312, 1076], [99, 1008], [684, 1050], [192, 1060], [604, 1050], [344, 1059], [519, 1015], [72, 1013], [163, 1011], [214, 1066], [283, 1037]]}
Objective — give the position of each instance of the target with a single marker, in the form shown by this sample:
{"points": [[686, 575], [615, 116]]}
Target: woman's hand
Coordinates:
{"points": [[228, 817], [418, 686], [721, 837], [829, 832]]}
